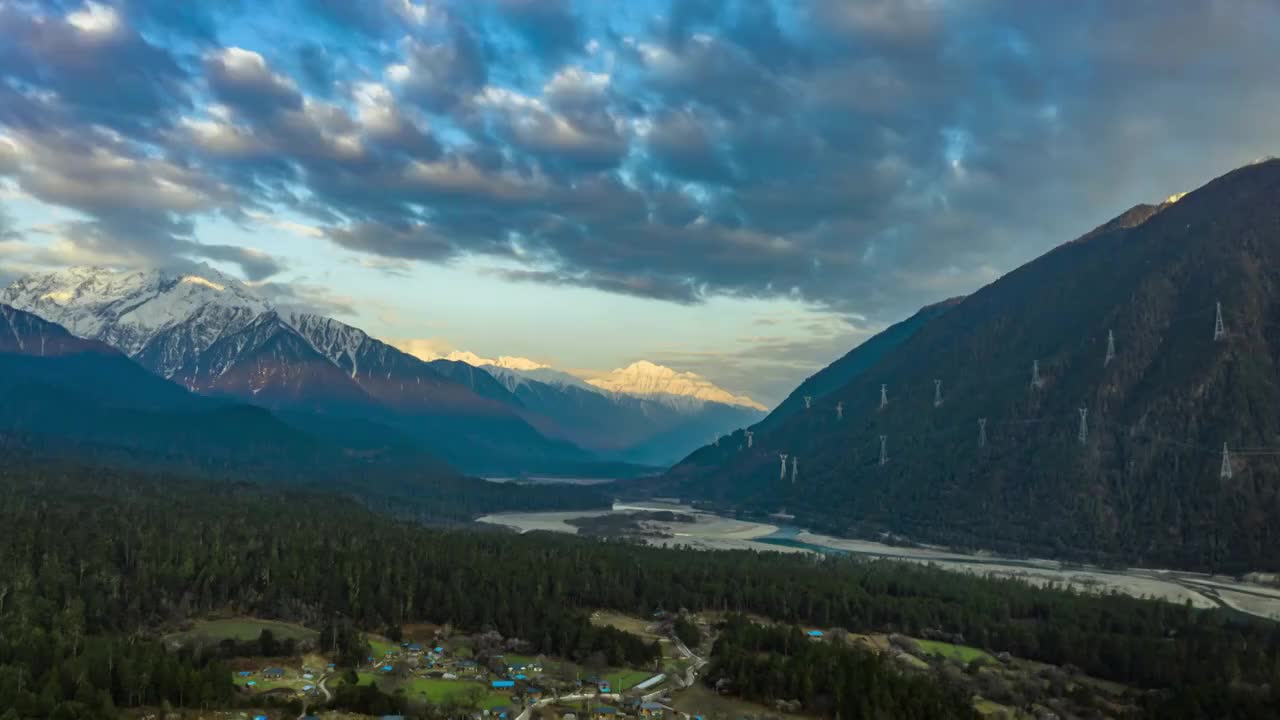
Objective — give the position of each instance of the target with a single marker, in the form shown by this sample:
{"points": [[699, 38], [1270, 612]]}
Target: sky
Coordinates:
{"points": [[745, 189]]}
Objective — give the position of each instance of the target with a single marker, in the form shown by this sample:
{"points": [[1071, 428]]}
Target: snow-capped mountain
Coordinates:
{"points": [[163, 319], [513, 378], [661, 383], [215, 335]]}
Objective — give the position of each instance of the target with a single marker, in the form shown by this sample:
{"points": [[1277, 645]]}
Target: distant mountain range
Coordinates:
{"points": [[214, 335], [1104, 458], [83, 406]]}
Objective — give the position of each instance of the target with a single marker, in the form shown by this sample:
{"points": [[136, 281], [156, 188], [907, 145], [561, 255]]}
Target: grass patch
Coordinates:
{"points": [[962, 653], [626, 679], [625, 623], [439, 691], [519, 660], [243, 629], [987, 708], [380, 646]]}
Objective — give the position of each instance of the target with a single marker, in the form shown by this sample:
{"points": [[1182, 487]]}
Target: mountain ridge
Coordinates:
{"points": [[1138, 479]]}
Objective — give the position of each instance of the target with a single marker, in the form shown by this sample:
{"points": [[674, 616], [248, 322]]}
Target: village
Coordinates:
{"points": [[482, 676]]}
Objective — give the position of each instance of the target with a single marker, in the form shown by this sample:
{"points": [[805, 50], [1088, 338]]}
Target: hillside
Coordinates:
{"points": [[855, 362], [1145, 484]]}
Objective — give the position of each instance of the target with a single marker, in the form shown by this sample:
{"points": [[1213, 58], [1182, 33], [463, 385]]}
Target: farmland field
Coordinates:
{"points": [[963, 653]]}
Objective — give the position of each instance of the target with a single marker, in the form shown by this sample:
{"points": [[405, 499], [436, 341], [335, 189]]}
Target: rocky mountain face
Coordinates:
{"points": [[162, 319], [1108, 454]]}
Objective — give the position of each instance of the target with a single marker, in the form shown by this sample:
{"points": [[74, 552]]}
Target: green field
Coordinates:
{"points": [[380, 646], [242, 629], [439, 691], [626, 679], [519, 659], [962, 653]]}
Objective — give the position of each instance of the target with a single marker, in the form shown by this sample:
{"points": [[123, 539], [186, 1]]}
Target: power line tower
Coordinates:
{"points": [[982, 432], [840, 410], [1225, 472], [1084, 426], [1219, 329], [1111, 348], [884, 396], [1036, 381], [937, 393], [884, 451], [795, 468], [808, 401], [750, 437], [783, 458]]}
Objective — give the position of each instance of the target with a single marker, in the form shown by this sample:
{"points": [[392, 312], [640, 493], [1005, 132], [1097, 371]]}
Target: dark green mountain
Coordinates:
{"points": [[1145, 485], [854, 363]]}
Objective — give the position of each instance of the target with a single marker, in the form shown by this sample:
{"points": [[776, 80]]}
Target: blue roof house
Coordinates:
{"points": [[814, 633], [503, 683]]}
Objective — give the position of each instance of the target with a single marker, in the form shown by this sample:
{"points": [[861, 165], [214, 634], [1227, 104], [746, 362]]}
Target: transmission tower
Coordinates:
{"points": [[808, 401], [795, 468], [1084, 425], [1111, 348], [1036, 382], [982, 432], [1219, 329], [884, 396], [884, 452], [1225, 472], [840, 410], [783, 458], [750, 436], [937, 393]]}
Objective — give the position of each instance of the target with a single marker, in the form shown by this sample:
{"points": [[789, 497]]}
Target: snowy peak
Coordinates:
{"points": [[647, 379], [131, 310], [339, 342], [508, 362]]}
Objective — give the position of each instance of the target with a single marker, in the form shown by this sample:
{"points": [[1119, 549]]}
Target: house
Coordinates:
{"points": [[650, 682], [308, 676], [448, 676], [251, 683], [415, 648], [260, 717], [500, 711], [522, 676], [273, 673], [245, 673], [438, 650], [604, 712], [388, 668], [499, 684], [814, 633], [533, 693]]}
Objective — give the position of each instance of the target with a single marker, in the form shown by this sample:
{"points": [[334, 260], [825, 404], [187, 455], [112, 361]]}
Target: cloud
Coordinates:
{"points": [[99, 67], [866, 157], [550, 27]]}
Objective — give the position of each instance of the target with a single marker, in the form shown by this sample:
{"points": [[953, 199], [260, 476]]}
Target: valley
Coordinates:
{"points": [[713, 532]]}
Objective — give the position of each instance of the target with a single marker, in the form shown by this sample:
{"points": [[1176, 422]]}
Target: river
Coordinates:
{"points": [[714, 532]]}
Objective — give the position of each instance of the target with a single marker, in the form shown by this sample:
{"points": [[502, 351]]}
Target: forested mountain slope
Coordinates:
{"points": [[855, 362], [1145, 484]]}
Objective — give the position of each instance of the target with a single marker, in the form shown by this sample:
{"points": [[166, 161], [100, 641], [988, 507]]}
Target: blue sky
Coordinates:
{"points": [[739, 188]]}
